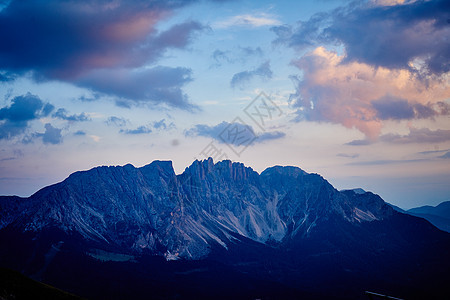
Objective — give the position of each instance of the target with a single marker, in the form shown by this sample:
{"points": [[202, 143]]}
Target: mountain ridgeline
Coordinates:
{"points": [[281, 233]]}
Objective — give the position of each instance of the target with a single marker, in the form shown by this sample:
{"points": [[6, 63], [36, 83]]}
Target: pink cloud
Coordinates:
{"points": [[77, 41], [350, 93]]}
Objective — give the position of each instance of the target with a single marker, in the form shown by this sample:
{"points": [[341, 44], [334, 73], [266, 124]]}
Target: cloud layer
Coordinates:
{"points": [[97, 44], [393, 63], [392, 36], [362, 96]]}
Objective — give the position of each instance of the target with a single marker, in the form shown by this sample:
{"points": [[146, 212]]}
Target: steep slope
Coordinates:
{"points": [[282, 230]]}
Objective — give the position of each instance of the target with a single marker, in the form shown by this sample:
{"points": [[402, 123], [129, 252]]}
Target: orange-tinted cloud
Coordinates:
{"points": [[362, 96], [76, 40]]}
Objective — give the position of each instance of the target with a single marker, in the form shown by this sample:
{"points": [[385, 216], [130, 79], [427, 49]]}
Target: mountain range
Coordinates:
{"points": [[219, 230]]}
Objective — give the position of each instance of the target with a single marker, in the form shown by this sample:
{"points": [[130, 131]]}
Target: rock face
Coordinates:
{"points": [[151, 209], [125, 232]]}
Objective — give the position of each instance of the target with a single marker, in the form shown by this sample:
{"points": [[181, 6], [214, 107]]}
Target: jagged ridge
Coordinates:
{"points": [[152, 209]]}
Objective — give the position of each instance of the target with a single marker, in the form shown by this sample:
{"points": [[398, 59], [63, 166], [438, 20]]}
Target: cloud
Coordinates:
{"points": [[139, 130], [393, 108], [248, 20], [6, 76], [14, 119], [346, 155], [243, 133], [62, 114], [446, 155], [384, 162], [241, 78], [359, 143], [361, 96], [418, 135], [267, 136], [154, 85], [242, 54], [156, 125], [52, 135], [120, 122], [433, 151], [415, 135], [410, 36], [25, 108], [92, 43], [249, 51], [162, 125], [220, 57], [80, 133]]}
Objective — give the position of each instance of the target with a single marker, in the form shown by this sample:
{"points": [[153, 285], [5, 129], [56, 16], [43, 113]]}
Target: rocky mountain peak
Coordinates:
{"points": [[151, 208]]}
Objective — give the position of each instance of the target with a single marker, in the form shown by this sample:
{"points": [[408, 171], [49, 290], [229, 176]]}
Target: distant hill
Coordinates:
{"points": [[438, 215]]}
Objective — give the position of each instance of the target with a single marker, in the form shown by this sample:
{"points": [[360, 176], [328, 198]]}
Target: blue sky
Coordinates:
{"points": [[358, 91]]}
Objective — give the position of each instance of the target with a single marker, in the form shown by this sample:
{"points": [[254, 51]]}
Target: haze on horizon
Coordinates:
{"points": [[358, 92]]}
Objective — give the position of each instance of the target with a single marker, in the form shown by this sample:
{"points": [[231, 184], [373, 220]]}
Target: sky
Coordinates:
{"points": [[356, 91]]}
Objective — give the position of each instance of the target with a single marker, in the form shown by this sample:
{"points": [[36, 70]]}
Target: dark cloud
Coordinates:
{"points": [[156, 85], [91, 42], [388, 36], [14, 119], [162, 125], [51, 135], [62, 114], [267, 136], [418, 135], [389, 107], [346, 155], [80, 133], [241, 78], [63, 39], [359, 143], [305, 34], [116, 121], [242, 54], [156, 125], [25, 108], [139, 130], [393, 108], [244, 132]]}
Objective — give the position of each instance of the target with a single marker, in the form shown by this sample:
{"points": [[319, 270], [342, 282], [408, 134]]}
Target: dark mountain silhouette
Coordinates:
{"points": [[438, 215], [219, 231]]}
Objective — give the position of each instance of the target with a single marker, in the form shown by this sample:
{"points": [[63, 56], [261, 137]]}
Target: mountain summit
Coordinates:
{"points": [[284, 226], [150, 208]]}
